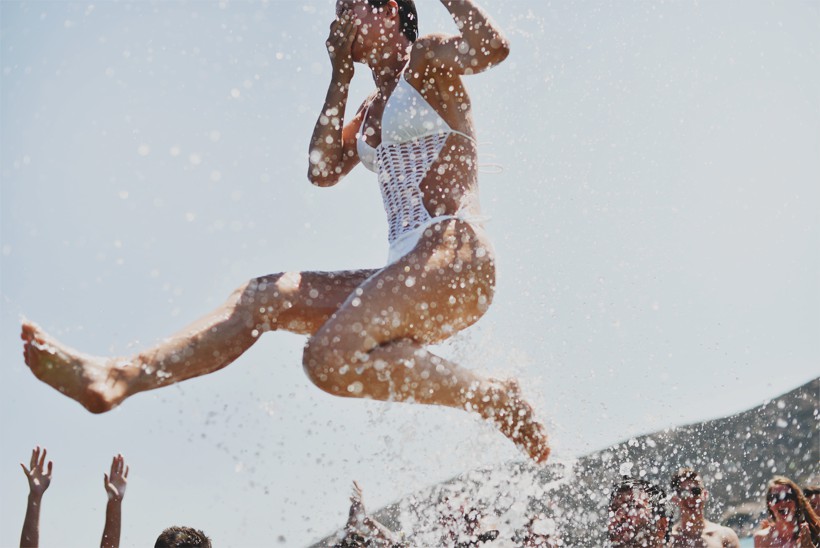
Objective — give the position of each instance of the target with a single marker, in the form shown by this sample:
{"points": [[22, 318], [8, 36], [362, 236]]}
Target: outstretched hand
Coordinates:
{"points": [[38, 478], [116, 481]]}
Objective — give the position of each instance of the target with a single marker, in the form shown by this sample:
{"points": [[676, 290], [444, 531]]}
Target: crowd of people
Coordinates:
{"points": [[639, 515]]}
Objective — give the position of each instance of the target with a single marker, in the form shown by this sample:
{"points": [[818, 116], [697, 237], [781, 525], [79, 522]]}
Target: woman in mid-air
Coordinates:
{"points": [[367, 328]]}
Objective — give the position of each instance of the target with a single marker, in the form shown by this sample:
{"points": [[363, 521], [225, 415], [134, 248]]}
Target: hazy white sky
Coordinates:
{"points": [[654, 213]]}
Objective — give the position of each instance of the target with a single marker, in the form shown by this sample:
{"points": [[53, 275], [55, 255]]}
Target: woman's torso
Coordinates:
{"points": [[419, 140]]}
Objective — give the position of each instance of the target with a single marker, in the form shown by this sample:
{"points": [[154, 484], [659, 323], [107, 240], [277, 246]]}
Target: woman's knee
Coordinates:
{"points": [[262, 299], [330, 367]]}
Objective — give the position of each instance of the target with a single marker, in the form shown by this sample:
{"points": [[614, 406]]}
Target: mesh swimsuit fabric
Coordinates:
{"points": [[402, 167], [413, 135]]}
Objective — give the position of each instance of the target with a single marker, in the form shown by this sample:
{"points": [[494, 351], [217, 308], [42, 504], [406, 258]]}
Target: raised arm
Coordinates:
{"points": [[38, 481], [115, 484], [333, 146], [358, 516], [479, 46]]}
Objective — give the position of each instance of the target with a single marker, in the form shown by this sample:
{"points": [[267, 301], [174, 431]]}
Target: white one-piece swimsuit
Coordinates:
{"points": [[413, 135]]}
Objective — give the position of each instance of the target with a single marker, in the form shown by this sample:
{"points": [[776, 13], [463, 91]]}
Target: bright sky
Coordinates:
{"points": [[654, 214]]}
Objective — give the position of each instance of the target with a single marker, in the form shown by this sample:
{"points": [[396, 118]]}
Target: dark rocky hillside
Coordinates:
{"points": [[737, 455]]}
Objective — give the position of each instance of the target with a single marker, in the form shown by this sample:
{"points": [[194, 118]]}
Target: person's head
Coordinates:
{"points": [[380, 23], [787, 505], [637, 514], [785, 500], [812, 494], [408, 16], [182, 537], [688, 491]]}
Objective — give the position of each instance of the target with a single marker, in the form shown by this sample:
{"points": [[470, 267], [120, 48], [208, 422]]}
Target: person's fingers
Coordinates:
{"points": [[345, 15], [25, 470], [341, 31], [126, 473], [34, 455], [347, 29], [105, 481], [43, 458], [50, 466]]}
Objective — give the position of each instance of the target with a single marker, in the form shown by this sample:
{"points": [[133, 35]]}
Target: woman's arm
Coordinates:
{"points": [[333, 146], [480, 45]]}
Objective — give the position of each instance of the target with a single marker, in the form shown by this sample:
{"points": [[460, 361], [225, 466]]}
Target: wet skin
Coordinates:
{"points": [[367, 328]]}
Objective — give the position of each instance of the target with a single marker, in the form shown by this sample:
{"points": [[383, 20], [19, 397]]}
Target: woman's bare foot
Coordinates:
{"points": [[97, 384], [514, 417]]}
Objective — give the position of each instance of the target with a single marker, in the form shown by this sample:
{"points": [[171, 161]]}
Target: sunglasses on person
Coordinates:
{"points": [[772, 498], [691, 492]]}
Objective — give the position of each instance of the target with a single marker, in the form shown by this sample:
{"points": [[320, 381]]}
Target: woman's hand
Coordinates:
{"points": [[340, 44]]}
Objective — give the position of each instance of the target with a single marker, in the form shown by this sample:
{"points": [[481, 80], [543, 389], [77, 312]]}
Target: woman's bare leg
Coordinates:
{"points": [[297, 302], [372, 347]]}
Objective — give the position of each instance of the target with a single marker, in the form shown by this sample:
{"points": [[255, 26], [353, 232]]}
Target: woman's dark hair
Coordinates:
{"points": [[408, 17]]}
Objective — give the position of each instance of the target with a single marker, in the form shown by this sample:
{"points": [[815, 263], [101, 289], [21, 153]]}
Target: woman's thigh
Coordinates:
{"points": [[444, 285], [300, 302]]}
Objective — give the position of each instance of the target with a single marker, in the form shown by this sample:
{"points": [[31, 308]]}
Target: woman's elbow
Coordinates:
{"points": [[320, 172], [321, 178], [499, 49], [493, 52]]}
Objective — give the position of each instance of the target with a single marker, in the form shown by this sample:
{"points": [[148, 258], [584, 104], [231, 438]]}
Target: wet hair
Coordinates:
{"points": [[803, 510], [182, 537], [682, 475], [656, 495], [408, 17]]}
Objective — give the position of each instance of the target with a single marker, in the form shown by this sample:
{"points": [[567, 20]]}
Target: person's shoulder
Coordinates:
{"points": [[724, 536], [727, 533], [722, 530], [432, 39], [761, 536], [430, 51]]}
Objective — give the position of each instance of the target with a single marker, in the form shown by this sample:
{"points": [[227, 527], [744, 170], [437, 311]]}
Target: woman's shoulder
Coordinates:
{"points": [[432, 40], [429, 52]]}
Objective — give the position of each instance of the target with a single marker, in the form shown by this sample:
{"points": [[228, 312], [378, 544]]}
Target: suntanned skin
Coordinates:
{"points": [[367, 328], [694, 530]]}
